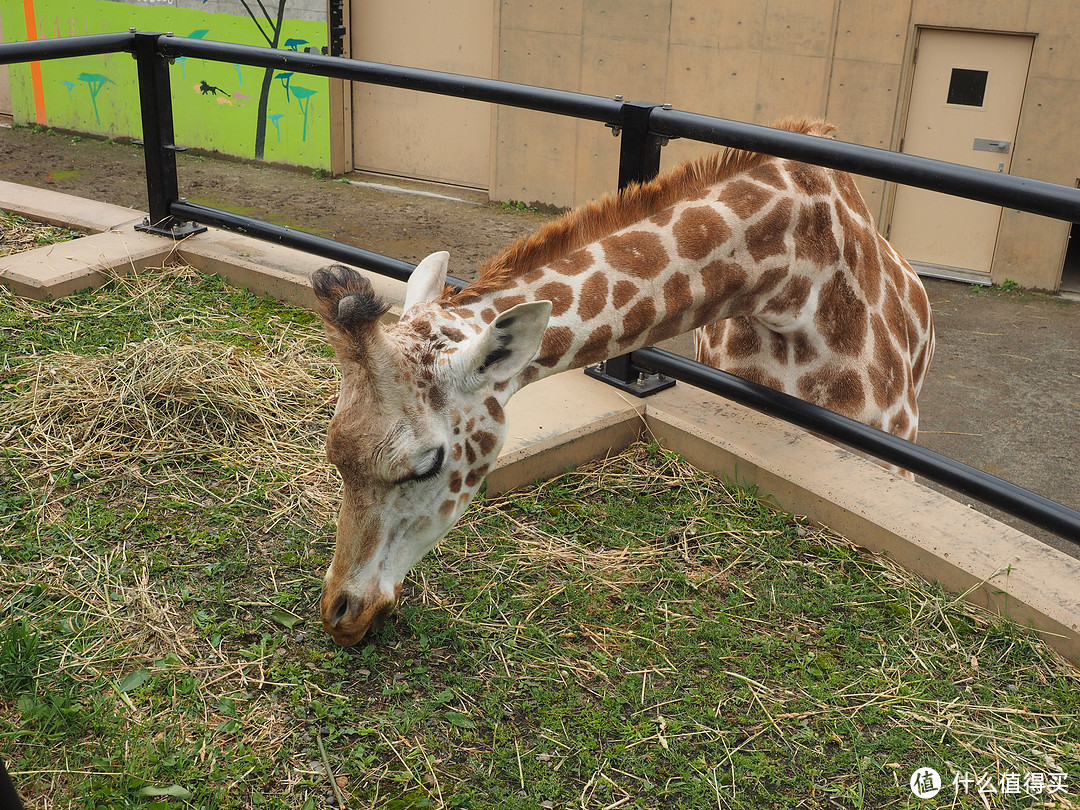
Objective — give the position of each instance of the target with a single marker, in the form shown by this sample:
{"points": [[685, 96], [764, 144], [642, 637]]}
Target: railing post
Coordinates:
{"points": [[159, 151], [639, 162]]}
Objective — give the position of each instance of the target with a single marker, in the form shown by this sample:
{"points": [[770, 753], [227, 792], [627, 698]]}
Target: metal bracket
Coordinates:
{"points": [[170, 227], [624, 376]]}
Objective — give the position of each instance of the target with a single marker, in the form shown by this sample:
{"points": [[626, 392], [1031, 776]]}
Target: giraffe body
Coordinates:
{"points": [[776, 264]]}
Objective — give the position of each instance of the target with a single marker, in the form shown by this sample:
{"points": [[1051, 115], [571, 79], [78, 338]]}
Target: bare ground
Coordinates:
{"points": [[1003, 393]]}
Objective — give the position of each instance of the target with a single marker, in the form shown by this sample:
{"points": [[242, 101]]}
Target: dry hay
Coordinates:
{"points": [[18, 234], [152, 410]]}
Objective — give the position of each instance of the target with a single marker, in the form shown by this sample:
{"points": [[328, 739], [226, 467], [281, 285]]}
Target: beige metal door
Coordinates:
{"points": [[414, 134], [964, 108]]}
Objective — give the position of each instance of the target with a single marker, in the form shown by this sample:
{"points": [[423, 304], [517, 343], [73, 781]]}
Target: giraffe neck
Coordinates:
{"points": [[696, 261]]}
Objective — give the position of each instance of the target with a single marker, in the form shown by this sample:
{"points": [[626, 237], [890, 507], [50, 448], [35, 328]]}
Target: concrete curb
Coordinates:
{"points": [[567, 419]]}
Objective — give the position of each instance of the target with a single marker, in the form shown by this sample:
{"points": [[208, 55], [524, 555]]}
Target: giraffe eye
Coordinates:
{"points": [[432, 468]]}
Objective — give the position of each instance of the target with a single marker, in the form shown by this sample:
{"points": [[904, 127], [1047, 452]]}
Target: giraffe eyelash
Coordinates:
{"points": [[431, 471]]}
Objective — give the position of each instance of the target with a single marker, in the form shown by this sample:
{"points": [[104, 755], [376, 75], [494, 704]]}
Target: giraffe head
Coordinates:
{"points": [[419, 422]]}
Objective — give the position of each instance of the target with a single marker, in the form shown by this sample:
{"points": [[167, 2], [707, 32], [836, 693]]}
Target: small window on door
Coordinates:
{"points": [[967, 87]]}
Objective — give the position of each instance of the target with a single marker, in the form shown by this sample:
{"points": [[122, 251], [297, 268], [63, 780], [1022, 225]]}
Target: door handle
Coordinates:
{"points": [[989, 145]]}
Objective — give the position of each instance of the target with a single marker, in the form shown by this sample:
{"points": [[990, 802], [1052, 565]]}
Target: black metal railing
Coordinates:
{"points": [[643, 128]]}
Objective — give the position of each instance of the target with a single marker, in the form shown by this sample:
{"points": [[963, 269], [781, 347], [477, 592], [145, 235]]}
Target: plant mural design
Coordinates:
{"points": [[303, 95], [95, 81], [274, 120], [285, 78], [271, 33], [215, 103], [270, 27]]}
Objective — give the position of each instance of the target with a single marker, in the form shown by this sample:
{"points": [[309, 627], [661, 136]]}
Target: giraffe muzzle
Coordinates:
{"points": [[348, 616]]}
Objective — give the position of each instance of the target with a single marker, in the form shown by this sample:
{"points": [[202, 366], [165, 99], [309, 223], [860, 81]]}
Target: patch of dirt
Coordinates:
{"points": [[1003, 393]]}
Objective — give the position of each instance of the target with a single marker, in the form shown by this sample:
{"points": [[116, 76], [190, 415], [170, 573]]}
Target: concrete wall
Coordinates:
{"points": [[758, 61]]}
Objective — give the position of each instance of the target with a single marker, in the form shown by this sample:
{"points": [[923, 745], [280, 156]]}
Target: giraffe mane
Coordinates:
{"points": [[595, 220]]}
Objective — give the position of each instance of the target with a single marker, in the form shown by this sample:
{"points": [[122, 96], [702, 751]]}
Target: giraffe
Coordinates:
{"points": [[776, 263]]}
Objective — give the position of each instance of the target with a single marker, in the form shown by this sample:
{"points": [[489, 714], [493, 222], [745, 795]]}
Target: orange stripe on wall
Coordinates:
{"points": [[35, 67]]}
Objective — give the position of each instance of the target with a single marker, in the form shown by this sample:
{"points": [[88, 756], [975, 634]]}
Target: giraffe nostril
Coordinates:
{"points": [[338, 610]]}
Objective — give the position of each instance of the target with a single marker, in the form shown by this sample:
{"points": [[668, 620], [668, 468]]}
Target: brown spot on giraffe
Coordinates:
{"points": [[446, 508], [454, 482], [662, 218], [595, 347], [742, 339], [637, 320], [803, 348], [768, 236], [745, 198], [814, 238], [887, 373], [779, 348], [485, 441], [576, 263], [792, 298], [560, 295], [495, 410], [557, 340], [436, 398], [834, 388], [699, 231], [593, 296], [505, 302], [452, 334], [640, 254], [723, 279], [622, 292], [849, 191], [813, 180], [677, 294], [476, 475], [841, 316], [769, 174]]}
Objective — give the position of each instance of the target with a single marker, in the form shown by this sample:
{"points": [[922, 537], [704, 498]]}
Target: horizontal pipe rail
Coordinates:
{"points": [[989, 489], [1011, 191], [301, 240], [65, 47], [560, 102]]}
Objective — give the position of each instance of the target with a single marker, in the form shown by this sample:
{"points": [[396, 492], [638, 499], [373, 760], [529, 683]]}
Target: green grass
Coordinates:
{"points": [[632, 634]]}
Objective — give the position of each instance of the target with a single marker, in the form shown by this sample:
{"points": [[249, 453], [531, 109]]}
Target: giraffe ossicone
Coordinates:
{"points": [[776, 264]]}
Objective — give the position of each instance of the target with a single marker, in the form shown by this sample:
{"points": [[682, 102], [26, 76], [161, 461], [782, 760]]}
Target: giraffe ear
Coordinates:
{"points": [[427, 281], [505, 347]]}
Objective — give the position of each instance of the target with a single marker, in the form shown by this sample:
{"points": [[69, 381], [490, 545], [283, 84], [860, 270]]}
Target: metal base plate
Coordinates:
{"points": [[177, 230], [643, 386]]}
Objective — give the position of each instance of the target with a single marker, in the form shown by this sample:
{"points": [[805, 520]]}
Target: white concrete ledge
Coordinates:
{"points": [[567, 419], [55, 208], [52, 271], [996, 566]]}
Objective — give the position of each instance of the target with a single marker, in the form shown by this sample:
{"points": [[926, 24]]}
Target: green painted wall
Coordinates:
{"points": [[215, 104]]}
